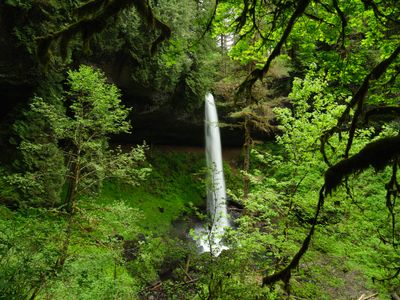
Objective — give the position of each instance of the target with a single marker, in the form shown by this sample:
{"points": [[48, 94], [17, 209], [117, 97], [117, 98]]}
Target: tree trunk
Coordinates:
{"points": [[246, 160], [64, 249], [73, 181]]}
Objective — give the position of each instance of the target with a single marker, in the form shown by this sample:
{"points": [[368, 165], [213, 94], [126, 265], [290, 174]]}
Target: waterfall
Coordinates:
{"points": [[210, 240]]}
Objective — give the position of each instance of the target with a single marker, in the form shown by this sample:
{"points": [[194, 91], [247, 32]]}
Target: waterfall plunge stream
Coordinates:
{"points": [[211, 239]]}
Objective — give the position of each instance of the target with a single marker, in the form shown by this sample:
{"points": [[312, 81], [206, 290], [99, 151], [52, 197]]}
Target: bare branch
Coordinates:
{"points": [[210, 21], [342, 19], [285, 274], [358, 99], [260, 73]]}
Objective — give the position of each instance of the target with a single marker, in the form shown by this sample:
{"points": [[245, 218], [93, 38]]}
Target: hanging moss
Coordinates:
{"points": [[91, 19], [377, 154], [358, 102], [391, 112]]}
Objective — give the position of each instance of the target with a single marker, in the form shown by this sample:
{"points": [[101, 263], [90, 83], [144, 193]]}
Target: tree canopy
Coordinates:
{"points": [[352, 46]]}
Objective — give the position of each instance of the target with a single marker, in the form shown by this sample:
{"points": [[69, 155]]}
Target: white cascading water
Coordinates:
{"points": [[211, 239]]}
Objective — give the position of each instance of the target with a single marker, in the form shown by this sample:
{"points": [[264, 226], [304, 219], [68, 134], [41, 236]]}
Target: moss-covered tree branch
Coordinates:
{"points": [[357, 100], [92, 18], [260, 73]]}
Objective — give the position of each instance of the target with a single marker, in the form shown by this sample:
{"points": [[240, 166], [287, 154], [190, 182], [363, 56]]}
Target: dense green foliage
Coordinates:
{"points": [[31, 242], [93, 112], [117, 245], [352, 228], [314, 210]]}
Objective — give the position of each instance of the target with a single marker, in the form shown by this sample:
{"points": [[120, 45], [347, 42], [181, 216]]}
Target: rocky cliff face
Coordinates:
{"points": [[162, 118], [17, 71], [157, 118], [162, 124]]}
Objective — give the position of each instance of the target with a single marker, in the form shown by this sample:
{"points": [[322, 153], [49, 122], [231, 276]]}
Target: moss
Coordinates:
{"points": [[171, 190], [91, 19], [377, 154]]}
